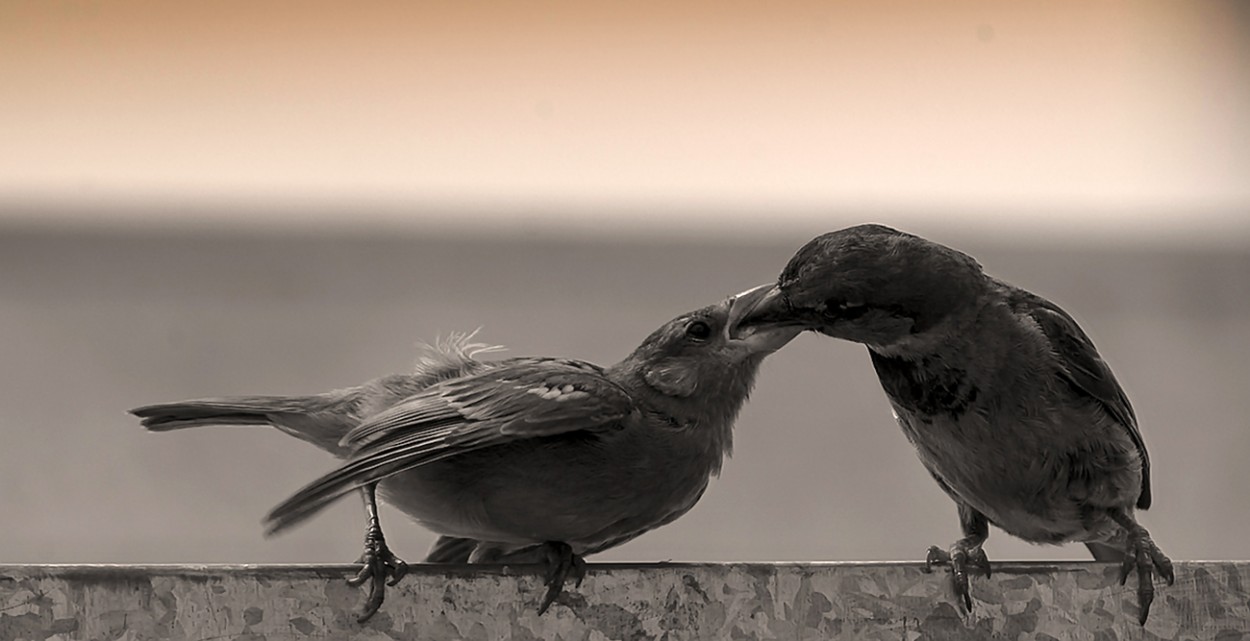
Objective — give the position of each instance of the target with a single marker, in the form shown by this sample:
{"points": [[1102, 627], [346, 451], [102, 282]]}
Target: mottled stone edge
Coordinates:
{"points": [[870, 600]]}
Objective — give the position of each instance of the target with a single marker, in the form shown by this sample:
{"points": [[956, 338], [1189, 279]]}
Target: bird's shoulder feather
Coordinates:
{"points": [[521, 397]]}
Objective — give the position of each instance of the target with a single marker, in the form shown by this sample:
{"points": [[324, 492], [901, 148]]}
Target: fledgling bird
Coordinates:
{"points": [[1008, 404], [536, 458]]}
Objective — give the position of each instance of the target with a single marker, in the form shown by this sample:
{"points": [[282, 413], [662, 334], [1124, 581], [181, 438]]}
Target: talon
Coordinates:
{"points": [[579, 567], [936, 556], [399, 569], [1164, 565], [960, 557], [380, 568], [1142, 553], [962, 591], [373, 603], [562, 564], [977, 559]]}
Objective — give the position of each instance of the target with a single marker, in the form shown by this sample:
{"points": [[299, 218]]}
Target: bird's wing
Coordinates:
{"points": [[526, 399], [1087, 373]]}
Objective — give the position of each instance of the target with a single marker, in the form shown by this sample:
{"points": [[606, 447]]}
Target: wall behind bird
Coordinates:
{"points": [[94, 323]]}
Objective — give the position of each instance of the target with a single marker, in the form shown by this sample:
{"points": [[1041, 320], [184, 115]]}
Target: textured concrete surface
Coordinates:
{"points": [[633, 602]]}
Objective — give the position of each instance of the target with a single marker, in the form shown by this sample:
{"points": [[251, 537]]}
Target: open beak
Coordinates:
{"points": [[758, 320]]}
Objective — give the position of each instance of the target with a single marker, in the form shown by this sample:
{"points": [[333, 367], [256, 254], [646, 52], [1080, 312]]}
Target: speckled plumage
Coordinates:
{"points": [[528, 456], [1006, 400]]}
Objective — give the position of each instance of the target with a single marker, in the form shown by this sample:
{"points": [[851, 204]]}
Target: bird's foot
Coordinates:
{"points": [[1142, 553], [960, 558], [380, 564], [562, 564]]}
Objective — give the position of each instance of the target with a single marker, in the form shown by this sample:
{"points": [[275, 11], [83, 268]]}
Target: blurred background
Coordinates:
{"points": [[238, 197]]}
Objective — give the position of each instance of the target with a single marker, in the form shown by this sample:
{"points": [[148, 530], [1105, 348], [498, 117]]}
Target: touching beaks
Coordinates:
{"points": [[763, 305], [758, 318]]}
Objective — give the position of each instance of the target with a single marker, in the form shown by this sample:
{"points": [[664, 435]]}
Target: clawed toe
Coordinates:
{"points": [[936, 556], [562, 564], [977, 559], [1146, 557], [380, 568], [960, 558]]}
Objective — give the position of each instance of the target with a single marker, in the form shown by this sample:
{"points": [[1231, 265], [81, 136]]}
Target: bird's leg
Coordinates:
{"points": [[379, 562], [964, 553], [1142, 553], [562, 564]]}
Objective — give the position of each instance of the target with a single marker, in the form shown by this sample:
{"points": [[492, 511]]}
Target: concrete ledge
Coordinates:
{"points": [[1210, 600]]}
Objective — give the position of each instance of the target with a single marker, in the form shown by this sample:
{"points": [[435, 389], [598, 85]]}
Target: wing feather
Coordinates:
{"points": [[522, 400], [1086, 372]]}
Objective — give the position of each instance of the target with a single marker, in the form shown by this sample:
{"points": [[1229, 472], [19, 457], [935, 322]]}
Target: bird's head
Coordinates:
{"points": [[870, 284], [703, 353], [693, 374]]}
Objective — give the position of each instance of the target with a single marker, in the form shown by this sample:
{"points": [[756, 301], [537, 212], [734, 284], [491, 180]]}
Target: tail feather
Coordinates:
{"points": [[168, 423], [243, 410]]}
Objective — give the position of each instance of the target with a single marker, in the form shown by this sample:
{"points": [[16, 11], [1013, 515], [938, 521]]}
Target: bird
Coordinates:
{"points": [[524, 459], [1008, 404]]}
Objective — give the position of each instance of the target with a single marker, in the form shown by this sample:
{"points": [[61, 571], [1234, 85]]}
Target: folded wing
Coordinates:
{"points": [[522, 400]]}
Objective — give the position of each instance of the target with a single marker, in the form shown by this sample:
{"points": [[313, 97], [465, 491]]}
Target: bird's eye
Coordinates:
{"points": [[844, 309], [699, 330]]}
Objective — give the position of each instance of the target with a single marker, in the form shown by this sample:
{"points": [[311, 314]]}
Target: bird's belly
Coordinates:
{"points": [[435, 506], [523, 496], [1021, 479]]}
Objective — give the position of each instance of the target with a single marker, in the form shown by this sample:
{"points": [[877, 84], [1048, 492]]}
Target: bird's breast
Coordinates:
{"points": [[925, 387]]}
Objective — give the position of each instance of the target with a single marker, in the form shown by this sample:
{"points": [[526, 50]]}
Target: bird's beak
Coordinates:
{"points": [[757, 320]]}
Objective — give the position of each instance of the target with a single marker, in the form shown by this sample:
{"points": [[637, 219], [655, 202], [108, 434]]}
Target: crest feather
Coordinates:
{"points": [[454, 350]]}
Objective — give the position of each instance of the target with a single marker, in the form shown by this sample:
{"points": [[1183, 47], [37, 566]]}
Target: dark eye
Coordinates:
{"points": [[699, 330], [843, 309]]}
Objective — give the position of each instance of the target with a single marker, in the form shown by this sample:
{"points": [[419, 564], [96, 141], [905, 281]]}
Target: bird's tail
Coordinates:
{"points": [[240, 410], [321, 420]]}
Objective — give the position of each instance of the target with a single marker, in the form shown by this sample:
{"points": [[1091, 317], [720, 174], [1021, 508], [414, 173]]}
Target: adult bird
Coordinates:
{"points": [[522, 458], [1008, 404]]}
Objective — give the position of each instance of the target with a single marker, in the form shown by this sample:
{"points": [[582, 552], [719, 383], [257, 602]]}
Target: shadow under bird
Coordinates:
{"points": [[529, 458], [1008, 404]]}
